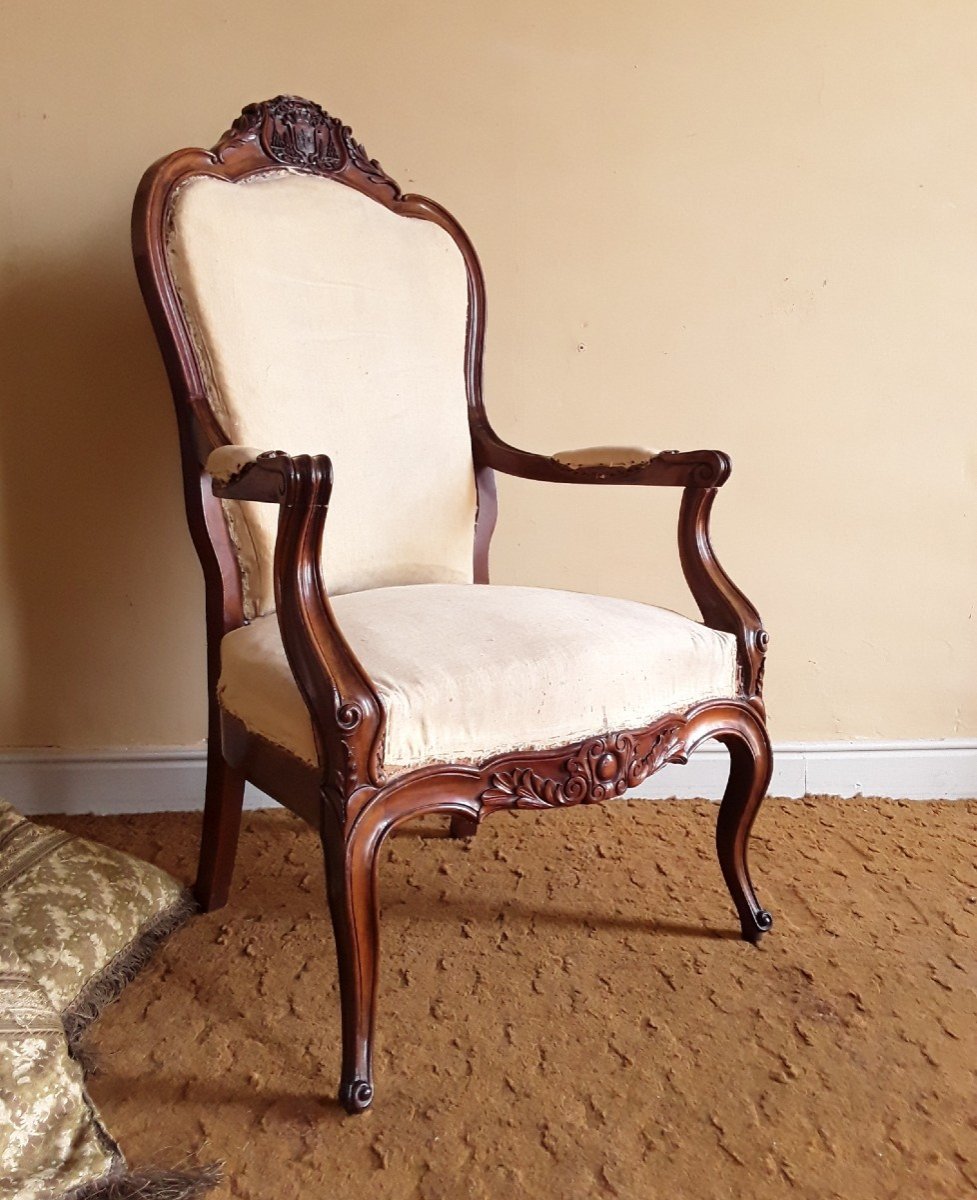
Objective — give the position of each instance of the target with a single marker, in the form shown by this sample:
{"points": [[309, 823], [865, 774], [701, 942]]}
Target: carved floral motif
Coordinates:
{"points": [[362, 161], [603, 767]]}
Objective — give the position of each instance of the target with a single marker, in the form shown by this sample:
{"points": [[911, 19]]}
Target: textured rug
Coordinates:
{"points": [[566, 1012]]}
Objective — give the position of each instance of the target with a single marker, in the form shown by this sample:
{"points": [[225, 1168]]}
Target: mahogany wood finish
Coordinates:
{"points": [[346, 796]]}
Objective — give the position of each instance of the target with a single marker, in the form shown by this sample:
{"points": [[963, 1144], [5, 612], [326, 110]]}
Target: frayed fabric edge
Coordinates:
{"points": [[109, 984], [149, 1185]]}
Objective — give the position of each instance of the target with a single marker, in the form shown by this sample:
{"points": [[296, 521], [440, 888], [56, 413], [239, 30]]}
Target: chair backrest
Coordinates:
{"points": [[303, 304]]}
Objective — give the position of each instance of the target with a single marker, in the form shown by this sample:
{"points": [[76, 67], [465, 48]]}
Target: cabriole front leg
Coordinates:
{"points": [[351, 883], [751, 765], [351, 847]]}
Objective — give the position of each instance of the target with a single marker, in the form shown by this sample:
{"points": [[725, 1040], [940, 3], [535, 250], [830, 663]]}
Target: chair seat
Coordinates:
{"points": [[469, 671]]}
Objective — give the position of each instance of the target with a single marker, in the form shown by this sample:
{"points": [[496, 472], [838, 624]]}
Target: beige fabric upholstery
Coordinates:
{"points": [[605, 456], [470, 671], [330, 325]]}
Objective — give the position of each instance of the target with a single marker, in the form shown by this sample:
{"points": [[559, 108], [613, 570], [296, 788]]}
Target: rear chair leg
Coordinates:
{"points": [[463, 827], [222, 823], [749, 778]]}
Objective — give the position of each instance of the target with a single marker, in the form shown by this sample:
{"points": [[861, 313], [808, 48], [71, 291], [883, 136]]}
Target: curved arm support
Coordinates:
{"points": [[346, 712], [665, 468], [722, 605], [347, 715]]}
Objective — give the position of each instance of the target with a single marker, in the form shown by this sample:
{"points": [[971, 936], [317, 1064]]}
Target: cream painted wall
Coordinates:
{"points": [[749, 226]]}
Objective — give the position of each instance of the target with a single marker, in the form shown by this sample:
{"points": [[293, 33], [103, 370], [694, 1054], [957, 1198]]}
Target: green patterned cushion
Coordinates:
{"points": [[51, 1140], [83, 917]]}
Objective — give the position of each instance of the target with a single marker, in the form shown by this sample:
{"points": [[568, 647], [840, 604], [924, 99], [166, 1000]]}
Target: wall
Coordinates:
{"points": [[746, 226]]}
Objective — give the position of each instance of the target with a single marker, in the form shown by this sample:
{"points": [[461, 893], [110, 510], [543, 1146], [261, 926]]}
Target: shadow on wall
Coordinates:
{"points": [[100, 589]]}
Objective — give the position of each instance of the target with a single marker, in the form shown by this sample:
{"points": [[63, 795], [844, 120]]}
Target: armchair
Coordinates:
{"points": [[362, 671]]}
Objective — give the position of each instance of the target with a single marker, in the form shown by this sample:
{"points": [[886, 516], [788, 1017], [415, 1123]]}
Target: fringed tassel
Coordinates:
{"points": [[86, 1058], [150, 1185], [109, 984], [120, 1183]]}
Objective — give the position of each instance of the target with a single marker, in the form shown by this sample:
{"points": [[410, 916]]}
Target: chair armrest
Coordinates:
{"points": [[244, 473], [227, 462], [605, 464], [268, 476], [700, 472]]}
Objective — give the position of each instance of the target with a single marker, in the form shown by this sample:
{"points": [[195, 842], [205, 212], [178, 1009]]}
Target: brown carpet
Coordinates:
{"points": [[565, 1012]]}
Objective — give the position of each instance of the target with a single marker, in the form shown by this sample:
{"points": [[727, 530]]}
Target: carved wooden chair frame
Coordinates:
{"points": [[348, 798]]}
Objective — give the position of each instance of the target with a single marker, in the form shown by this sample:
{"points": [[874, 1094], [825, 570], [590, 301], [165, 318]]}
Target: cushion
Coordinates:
{"points": [[469, 671], [76, 921], [82, 917], [51, 1141], [328, 324]]}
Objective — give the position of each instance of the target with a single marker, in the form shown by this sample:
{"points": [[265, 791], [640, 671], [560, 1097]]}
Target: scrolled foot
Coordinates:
{"points": [[749, 777], [356, 1096], [756, 925]]}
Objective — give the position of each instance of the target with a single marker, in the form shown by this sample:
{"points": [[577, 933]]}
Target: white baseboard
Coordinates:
{"points": [[904, 770], [118, 780], [171, 779]]}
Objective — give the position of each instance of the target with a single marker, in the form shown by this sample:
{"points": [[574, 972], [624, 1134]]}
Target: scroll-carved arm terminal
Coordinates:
{"points": [[346, 712], [701, 473]]}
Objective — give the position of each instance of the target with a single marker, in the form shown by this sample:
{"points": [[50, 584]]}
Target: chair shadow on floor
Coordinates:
{"points": [[161, 1091], [436, 829], [485, 911]]}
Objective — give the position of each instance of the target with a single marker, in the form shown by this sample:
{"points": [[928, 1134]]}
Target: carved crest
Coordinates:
{"points": [[601, 768], [300, 133]]}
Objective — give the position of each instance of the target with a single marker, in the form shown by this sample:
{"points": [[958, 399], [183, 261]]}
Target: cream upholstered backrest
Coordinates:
{"points": [[328, 324]]}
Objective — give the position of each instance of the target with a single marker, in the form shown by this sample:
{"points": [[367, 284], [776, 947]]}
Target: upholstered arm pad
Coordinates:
{"points": [[605, 456], [227, 462], [606, 464], [244, 473]]}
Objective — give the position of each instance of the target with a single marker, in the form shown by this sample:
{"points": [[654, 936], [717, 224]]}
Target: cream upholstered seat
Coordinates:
{"points": [[467, 671]]}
